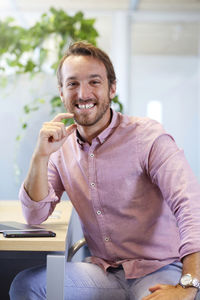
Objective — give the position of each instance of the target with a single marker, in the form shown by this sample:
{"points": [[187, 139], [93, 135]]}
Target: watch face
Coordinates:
{"points": [[186, 279]]}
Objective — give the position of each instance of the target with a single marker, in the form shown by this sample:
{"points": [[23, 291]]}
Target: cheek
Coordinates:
{"points": [[67, 98], [68, 102], [68, 106]]}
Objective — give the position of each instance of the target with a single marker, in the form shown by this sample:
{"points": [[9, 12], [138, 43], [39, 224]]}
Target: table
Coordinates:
{"points": [[54, 248]]}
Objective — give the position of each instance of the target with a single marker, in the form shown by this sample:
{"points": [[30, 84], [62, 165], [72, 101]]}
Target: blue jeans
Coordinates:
{"points": [[87, 281]]}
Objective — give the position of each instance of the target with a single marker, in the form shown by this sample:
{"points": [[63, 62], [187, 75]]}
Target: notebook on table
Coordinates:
{"points": [[10, 225]]}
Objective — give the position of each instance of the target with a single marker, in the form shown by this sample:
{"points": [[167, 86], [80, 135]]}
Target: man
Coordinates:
{"points": [[136, 196]]}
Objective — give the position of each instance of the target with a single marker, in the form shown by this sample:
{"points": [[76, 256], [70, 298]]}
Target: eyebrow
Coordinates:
{"points": [[91, 76], [95, 75]]}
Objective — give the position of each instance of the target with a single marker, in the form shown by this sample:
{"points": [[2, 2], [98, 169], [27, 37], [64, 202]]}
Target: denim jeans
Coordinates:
{"points": [[87, 281]]}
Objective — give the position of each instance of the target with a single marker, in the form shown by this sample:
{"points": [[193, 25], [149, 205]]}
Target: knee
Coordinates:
{"points": [[27, 285], [18, 286]]}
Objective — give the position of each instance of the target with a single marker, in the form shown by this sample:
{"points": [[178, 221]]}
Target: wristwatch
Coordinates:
{"points": [[188, 281]]}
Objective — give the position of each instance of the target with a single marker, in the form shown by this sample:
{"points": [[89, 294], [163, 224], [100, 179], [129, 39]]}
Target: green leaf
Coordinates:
{"points": [[117, 105], [3, 81], [18, 138], [67, 122], [26, 109], [42, 101], [30, 65], [56, 102], [24, 125]]}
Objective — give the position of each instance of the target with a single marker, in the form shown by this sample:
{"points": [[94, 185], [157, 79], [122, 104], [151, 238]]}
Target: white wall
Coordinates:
{"points": [[174, 81], [12, 99]]}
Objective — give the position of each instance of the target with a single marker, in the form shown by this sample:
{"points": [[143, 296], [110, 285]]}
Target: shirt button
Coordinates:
{"points": [[98, 212], [92, 184], [91, 155], [107, 239]]}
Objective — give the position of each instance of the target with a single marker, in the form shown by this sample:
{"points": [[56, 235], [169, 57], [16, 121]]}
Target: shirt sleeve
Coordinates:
{"points": [[37, 212], [169, 170]]}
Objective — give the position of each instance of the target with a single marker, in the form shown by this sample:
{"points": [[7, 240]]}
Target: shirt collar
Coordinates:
{"points": [[105, 133]]}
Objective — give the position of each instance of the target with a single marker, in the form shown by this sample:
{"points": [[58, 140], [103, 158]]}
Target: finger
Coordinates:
{"points": [[153, 296], [159, 287], [57, 132], [149, 297], [59, 125], [62, 116], [53, 135], [70, 129]]}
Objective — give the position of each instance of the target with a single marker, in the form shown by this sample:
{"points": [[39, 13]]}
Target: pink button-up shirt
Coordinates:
{"points": [[137, 198]]}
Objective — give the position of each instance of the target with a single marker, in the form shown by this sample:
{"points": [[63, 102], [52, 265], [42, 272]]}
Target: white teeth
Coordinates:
{"points": [[87, 106], [81, 106]]}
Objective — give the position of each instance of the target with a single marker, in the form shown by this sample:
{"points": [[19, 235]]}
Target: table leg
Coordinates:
{"points": [[55, 276]]}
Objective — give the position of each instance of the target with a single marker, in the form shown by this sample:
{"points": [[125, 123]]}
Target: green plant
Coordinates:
{"points": [[39, 48]]}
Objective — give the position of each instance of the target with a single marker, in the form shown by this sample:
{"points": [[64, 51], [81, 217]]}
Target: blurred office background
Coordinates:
{"points": [[155, 48]]}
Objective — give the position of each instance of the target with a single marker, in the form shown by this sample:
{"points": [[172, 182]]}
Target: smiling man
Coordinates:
{"points": [[86, 92], [136, 196]]}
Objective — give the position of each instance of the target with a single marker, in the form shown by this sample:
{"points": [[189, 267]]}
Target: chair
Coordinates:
{"points": [[76, 248]]}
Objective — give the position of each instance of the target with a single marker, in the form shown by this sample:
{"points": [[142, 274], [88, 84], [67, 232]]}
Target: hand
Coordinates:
{"points": [[171, 292], [53, 135]]}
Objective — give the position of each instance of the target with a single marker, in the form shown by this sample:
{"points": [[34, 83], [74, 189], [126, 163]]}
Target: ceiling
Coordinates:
{"points": [[170, 5], [158, 27], [143, 5]]}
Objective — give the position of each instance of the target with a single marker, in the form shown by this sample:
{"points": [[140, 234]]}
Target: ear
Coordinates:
{"points": [[112, 90], [61, 93]]}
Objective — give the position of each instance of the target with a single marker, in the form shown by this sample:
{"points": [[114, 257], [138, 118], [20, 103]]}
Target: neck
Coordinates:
{"points": [[88, 133]]}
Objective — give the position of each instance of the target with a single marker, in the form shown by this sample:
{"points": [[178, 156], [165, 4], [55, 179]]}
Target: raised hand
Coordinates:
{"points": [[53, 134]]}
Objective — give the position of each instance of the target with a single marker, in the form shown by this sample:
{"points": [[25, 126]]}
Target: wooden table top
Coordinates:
{"points": [[10, 210]]}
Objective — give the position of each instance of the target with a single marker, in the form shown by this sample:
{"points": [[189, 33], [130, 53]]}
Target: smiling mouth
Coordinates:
{"points": [[85, 106]]}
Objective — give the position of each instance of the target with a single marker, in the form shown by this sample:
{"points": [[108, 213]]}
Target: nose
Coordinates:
{"points": [[84, 91]]}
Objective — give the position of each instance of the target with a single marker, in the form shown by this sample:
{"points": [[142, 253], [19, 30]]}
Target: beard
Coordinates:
{"points": [[90, 118]]}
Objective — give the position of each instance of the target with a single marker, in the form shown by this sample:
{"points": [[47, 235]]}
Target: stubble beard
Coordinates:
{"points": [[84, 120]]}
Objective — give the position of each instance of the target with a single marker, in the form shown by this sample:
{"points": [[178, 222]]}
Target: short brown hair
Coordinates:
{"points": [[87, 49]]}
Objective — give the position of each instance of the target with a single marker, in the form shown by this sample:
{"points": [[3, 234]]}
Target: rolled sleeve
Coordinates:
{"points": [[36, 212], [171, 172]]}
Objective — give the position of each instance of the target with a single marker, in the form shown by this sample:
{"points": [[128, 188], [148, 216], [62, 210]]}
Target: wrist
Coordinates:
{"points": [[189, 291], [40, 158]]}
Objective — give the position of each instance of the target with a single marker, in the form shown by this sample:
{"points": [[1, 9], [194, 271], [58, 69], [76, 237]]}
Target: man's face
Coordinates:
{"points": [[85, 91]]}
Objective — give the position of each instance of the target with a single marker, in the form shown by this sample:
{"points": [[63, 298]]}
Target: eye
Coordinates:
{"points": [[72, 84], [95, 82]]}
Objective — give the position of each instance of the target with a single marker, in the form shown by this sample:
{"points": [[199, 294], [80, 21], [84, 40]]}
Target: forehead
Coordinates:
{"points": [[79, 67]]}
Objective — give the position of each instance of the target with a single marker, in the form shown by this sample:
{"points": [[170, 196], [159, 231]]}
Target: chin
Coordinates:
{"points": [[83, 122]]}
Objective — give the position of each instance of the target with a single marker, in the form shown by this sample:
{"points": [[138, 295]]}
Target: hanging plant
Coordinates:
{"points": [[38, 49]]}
